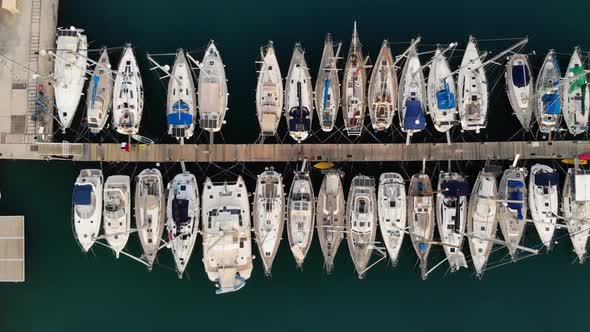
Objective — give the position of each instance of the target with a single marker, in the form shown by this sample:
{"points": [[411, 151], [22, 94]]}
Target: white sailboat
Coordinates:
{"points": [[117, 212], [383, 88], [547, 95], [269, 92], [227, 245], [451, 216], [327, 88], [361, 219], [127, 94], [298, 97], [412, 95], [87, 206], [544, 201], [150, 212], [472, 90], [576, 209], [392, 212], [269, 215], [212, 95], [300, 215], [520, 88], [421, 218], [182, 218], [354, 84], [512, 208], [181, 100], [69, 73], [330, 217], [442, 93], [576, 97], [100, 94]]}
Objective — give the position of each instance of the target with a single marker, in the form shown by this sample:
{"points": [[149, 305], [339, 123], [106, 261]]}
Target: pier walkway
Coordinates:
{"points": [[293, 152]]}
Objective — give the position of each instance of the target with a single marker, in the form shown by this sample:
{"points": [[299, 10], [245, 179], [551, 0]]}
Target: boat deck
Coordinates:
{"points": [[12, 249]]}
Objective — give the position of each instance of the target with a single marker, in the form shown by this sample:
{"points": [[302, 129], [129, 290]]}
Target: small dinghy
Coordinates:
{"points": [[576, 99], [87, 205], [327, 88], [383, 90], [412, 95], [181, 110], [576, 209], [182, 223], [392, 212], [300, 215], [269, 215], [512, 208], [127, 94], [543, 201], [472, 90], [442, 93], [99, 94], [520, 88], [212, 95], [150, 212], [421, 218], [298, 97], [117, 212], [451, 216], [547, 95], [482, 221], [330, 217], [361, 218], [354, 84], [269, 92]]}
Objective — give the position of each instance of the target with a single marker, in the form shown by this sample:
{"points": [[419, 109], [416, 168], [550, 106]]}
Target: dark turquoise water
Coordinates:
{"points": [[69, 291]]}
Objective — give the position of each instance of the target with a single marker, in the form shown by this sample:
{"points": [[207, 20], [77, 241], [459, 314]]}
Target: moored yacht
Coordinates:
{"points": [[354, 84], [361, 219], [330, 216], [412, 95], [383, 88], [182, 218], [472, 90], [520, 88], [150, 212], [576, 209], [181, 108], [327, 88], [576, 97], [300, 215], [392, 212], [269, 215], [421, 217], [100, 94], [442, 93], [547, 96], [127, 95], [212, 95], [87, 203], [298, 97], [69, 73], [117, 212], [543, 201], [512, 208], [269, 92], [227, 245]]}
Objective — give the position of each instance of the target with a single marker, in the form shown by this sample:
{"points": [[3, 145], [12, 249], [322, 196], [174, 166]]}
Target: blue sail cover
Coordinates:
{"points": [[82, 194], [515, 197], [180, 119], [180, 106], [547, 179], [521, 76], [95, 81], [445, 99], [300, 119], [455, 188], [326, 91], [414, 117], [552, 103]]}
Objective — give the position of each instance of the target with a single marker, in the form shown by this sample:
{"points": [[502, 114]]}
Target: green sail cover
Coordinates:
{"points": [[580, 79]]}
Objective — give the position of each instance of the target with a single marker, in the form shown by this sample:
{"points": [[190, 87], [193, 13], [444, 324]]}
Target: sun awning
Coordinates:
{"points": [[445, 99], [547, 179], [455, 188], [520, 75], [180, 119], [414, 117], [82, 194]]}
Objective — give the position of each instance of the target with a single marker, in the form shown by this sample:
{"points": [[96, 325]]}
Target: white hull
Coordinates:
{"points": [[181, 111], [383, 90], [330, 217], [392, 212], [412, 95], [520, 88], [327, 89], [100, 94], [576, 97], [127, 95], [150, 212], [354, 84], [543, 202], [117, 212], [472, 90], [212, 93], [451, 217], [269, 92], [512, 208], [441, 85], [576, 210], [361, 219], [87, 206], [547, 95], [300, 216], [298, 97], [421, 218]]}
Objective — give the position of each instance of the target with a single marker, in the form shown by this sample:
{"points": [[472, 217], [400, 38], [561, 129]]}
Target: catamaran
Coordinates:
{"points": [[576, 209], [87, 203], [361, 219], [421, 217], [353, 88], [127, 95], [330, 216], [227, 247], [182, 218], [512, 208], [391, 205], [269, 92], [442, 93], [383, 90], [100, 94], [482, 221], [472, 88], [576, 99], [298, 97], [212, 85], [547, 95], [181, 109], [543, 201], [150, 212], [269, 215], [412, 95], [69, 73], [300, 215], [327, 88], [117, 212], [451, 216], [520, 88]]}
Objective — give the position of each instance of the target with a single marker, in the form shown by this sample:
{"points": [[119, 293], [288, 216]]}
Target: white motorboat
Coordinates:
{"points": [[412, 95], [127, 94], [421, 218], [544, 201], [300, 215], [87, 206], [330, 217], [392, 212], [472, 90], [520, 88], [117, 212], [576, 97], [576, 209], [512, 208], [354, 84], [100, 94], [442, 93], [212, 95], [327, 88], [150, 212], [383, 90], [181, 109], [269, 92], [298, 97], [361, 219], [547, 95]]}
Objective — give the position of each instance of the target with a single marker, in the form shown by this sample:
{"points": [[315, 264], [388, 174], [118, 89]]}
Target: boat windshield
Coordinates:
{"points": [[521, 76]]}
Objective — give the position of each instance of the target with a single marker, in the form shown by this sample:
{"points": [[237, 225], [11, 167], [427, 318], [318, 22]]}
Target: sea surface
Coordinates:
{"points": [[67, 290]]}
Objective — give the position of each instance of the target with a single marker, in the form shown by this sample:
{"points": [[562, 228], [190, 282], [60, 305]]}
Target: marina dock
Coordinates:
{"points": [[12, 249]]}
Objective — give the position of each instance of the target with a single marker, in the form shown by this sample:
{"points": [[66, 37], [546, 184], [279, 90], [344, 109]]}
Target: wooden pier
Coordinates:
{"points": [[12, 249], [112, 152]]}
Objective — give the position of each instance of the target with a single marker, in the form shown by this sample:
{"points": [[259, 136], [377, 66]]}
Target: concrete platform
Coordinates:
{"points": [[12, 249]]}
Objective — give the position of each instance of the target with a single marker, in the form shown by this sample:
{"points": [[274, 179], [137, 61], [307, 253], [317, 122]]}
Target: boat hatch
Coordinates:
{"points": [[521, 76], [82, 194]]}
